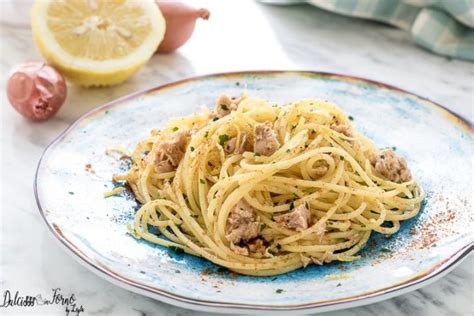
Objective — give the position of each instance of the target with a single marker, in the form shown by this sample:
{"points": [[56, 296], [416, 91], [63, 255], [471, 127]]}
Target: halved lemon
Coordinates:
{"points": [[97, 42]]}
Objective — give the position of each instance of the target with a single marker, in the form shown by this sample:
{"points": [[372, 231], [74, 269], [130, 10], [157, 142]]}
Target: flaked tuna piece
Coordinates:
{"points": [[316, 261], [320, 168], [391, 166], [181, 139], [305, 260], [243, 251], [225, 105], [298, 219], [230, 145], [343, 129], [265, 139], [170, 152], [242, 224], [257, 246]]}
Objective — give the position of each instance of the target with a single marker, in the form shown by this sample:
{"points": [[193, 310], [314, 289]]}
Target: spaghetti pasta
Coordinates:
{"points": [[263, 189]]}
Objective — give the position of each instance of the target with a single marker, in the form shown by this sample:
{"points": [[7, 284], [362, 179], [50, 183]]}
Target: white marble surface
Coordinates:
{"points": [[240, 35]]}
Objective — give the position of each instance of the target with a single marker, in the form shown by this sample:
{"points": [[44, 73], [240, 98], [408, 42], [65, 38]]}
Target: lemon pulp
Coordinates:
{"points": [[97, 42]]}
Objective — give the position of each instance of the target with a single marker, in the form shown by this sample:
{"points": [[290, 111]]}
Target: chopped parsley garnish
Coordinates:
{"points": [[237, 83], [382, 156], [351, 118], [394, 148], [279, 291], [174, 129], [293, 127], [288, 150], [257, 154], [224, 107], [383, 249], [291, 205], [70, 192], [206, 134], [192, 148], [262, 226], [223, 138], [177, 271], [338, 285], [215, 119], [342, 157], [202, 181]]}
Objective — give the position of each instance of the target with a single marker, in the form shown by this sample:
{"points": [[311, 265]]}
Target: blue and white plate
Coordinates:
{"points": [[74, 172]]}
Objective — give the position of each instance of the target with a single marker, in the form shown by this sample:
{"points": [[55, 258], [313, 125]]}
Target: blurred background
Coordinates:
{"points": [[247, 35]]}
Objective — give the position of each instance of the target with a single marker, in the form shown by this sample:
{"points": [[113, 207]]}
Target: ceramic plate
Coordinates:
{"points": [[74, 172]]}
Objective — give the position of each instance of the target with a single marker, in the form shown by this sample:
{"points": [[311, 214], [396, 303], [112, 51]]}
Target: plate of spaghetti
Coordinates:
{"points": [[277, 191]]}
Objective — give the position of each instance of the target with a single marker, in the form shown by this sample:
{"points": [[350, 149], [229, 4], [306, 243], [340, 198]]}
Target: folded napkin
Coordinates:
{"points": [[445, 27]]}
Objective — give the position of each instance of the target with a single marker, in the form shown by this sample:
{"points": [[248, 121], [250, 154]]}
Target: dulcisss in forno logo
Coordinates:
{"points": [[71, 307]]}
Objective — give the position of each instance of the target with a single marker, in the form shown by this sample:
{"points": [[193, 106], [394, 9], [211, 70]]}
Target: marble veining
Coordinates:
{"points": [[297, 37]]}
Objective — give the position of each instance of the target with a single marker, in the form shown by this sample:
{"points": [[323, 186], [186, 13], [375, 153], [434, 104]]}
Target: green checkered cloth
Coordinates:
{"points": [[445, 27]]}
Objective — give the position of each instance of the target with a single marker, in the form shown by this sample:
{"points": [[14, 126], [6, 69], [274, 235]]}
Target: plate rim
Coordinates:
{"points": [[423, 278]]}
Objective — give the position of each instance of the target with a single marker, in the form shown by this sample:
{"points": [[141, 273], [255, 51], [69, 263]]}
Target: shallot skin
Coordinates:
{"points": [[36, 90], [180, 21]]}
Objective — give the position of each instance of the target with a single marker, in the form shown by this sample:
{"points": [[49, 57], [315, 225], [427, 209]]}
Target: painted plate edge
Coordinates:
{"points": [[421, 280]]}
